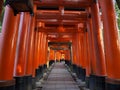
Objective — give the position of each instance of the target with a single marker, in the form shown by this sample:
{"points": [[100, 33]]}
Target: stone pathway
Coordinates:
{"points": [[60, 79]]}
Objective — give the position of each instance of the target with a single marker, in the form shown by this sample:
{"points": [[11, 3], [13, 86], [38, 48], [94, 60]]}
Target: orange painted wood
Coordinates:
{"points": [[52, 55], [46, 51], [8, 44], [20, 63], [38, 49], [45, 41], [97, 42], [30, 49], [42, 49], [92, 52], [77, 50], [58, 55], [88, 67], [35, 52], [111, 39], [82, 43], [74, 49]]}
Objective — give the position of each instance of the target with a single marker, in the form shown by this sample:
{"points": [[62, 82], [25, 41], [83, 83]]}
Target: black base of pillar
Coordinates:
{"points": [[68, 62], [87, 80], [82, 73], [33, 83], [28, 82], [20, 83], [51, 62], [7, 85], [45, 66], [57, 60], [97, 82], [74, 68], [61, 60], [112, 84], [23, 83], [39, 73]]}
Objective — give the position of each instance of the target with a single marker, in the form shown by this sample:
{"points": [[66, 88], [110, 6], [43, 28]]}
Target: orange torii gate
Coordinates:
{"points": [[24, 49]]}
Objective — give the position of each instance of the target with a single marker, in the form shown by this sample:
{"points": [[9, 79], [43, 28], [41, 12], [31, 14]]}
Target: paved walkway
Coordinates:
{"points": [[60, 79]]}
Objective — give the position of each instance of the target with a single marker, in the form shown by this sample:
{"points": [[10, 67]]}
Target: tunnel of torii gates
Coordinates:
{"points": [[83, 33]]}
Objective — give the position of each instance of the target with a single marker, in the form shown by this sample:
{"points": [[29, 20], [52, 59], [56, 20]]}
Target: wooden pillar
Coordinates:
{"points": [[42, 46], [45, 41], [92, 53], [111, 44], [46, 53], [30, 54], [41, 51], [35, 52], [38, 63], [21, 53], [98, 76], [83, 55], [78, 54], [30, 50], [74, 49], [51, 57], [8, 48], [67, 57], [88, 66]]}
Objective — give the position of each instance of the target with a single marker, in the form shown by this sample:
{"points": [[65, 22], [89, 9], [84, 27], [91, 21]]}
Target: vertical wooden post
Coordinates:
{"points": [[29, 56], [35, 52], [20, 60], [83, 58], [98, 76], [51, 57], [38, 63], [8, 48], [111, 44], [74, 49]]}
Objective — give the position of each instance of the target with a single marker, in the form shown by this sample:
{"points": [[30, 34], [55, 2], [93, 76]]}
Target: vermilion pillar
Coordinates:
{"points": [[37, 56], [83, 55], [67, 57], [78, 53], [51, 57], [41, 55], [92, 53], [74, 53], [21, 53], [88, 64], [97, 77], [8, 48], [30, 50], [111, 45], [44, 45], [30, 53], [46, 53], [41, 50], [35, 52]]}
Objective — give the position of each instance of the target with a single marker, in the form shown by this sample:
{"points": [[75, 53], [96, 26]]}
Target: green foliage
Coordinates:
{"points": [[1, 17], [118, 16]]}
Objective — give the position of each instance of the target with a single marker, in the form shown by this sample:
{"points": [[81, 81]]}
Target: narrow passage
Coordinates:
{"points": [[60, 79]]}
